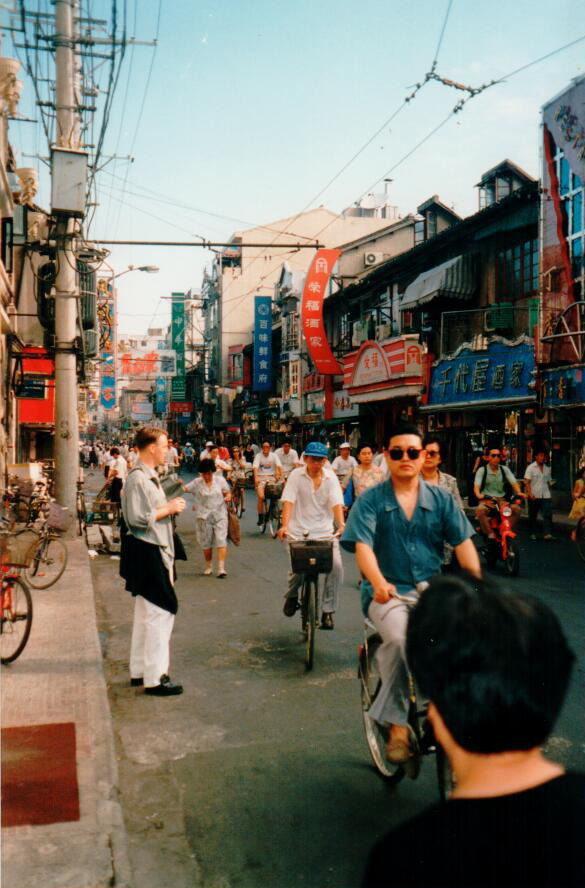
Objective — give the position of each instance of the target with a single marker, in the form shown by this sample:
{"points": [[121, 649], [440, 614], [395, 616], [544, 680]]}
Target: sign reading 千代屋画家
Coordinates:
{"points": [[262, 368], [503, 372], [312, 312], [178, 344]]}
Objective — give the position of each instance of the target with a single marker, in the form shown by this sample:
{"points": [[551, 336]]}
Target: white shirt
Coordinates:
{"points": [[287, 460], [266, 465], [120, 465], [313, 509], [204, 454], [221, 466], [343, 467], [132, 458], [172, 457], [539, 480]]}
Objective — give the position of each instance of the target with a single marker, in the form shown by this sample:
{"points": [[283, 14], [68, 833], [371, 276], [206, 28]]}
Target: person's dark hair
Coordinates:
{"points": [[266, 441], [496, 666], [287, 441], [540, 447], [404, 428], [147, 435], [432, 439], [363, 444], [206, 465], [114, 452], [213, 447]]}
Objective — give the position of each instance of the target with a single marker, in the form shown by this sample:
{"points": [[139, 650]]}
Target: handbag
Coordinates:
{"points": [[180, 553], [234, 533], [348, 496]]}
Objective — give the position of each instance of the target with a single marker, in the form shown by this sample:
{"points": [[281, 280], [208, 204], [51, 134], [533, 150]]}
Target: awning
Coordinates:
{"points": [[453, 279]]}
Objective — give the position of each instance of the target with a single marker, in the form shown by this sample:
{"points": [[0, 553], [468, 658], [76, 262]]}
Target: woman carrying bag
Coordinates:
{"points": [[211, 494]]}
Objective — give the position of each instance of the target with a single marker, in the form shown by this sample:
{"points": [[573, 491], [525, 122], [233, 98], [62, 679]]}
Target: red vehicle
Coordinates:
{"points": [[504, 547]]}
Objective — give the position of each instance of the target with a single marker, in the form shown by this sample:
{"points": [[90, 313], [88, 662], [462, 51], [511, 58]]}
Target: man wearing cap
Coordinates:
{"points": [[344, 464], [205, 454], [312, 500]]}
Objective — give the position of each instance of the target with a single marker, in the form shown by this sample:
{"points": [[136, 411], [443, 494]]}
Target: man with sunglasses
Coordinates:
{"points": [[397, 531], [495, 483]]}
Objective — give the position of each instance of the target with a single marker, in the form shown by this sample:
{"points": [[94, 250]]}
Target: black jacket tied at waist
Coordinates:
{"points": [[142, 567]]}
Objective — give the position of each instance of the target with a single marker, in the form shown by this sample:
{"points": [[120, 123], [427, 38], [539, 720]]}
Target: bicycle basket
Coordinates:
{"points": [[59, 518], [17, 550], [274, 489], [311, 556]]}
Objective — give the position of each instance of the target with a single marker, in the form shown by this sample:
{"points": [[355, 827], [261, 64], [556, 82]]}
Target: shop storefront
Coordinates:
{"points": [[480, 396], [386, 381], [36, 406], [563, 399]]}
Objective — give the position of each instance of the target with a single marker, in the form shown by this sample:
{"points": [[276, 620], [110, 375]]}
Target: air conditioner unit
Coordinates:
{"points": [[383, 331], [373, 258]]}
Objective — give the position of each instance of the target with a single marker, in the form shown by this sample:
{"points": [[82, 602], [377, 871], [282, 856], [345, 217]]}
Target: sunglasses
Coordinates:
{"points": [[433, 452], [495, 455], [397, 453]]}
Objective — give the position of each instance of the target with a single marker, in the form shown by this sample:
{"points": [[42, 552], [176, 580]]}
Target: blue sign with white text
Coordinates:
{"points": [[502, 372], [160, 402], [563, 386], [262, 369]]}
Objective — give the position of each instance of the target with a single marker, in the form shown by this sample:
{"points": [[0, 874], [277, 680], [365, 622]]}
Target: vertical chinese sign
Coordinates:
{"points": [[160, 404], [312, 312], [107, 344], [178, 344], [262, 371]]}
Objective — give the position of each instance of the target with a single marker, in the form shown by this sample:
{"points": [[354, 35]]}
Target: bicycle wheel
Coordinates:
{"points": [[16, 618], [275, 518], [445, 777], [48, 564], [376, 735], [310, 620], [236, 504], [580, 538], [266, 506], [512, 562]]}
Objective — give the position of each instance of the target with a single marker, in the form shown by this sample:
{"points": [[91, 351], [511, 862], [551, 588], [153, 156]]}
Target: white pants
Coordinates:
{"points": [[391, 620], [149, 648]]}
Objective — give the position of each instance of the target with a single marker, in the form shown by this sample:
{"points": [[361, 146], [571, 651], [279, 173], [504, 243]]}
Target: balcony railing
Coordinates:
{"points": [[476, 327]]}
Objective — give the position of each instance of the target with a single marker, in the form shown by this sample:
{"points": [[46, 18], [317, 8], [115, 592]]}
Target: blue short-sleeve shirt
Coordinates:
{"points": [[408, 552]]}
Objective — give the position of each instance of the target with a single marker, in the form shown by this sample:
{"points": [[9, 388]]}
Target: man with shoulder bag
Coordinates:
{"points": [[495, 483]]}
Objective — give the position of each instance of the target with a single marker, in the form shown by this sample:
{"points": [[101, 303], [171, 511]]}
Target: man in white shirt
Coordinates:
{"points": [[312, 499], [205, 454], [172, 457], [288, 457], [344, 464], [117, 474], [537, 478], [267, 467]]}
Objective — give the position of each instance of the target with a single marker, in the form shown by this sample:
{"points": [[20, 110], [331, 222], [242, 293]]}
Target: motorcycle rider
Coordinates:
{"points": [[493, 483]]}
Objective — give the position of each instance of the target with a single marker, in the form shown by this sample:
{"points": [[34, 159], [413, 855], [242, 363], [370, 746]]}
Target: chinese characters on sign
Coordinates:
{"points": [[505, 372], [262, 370], [563, 386], [312, 312], [107, 352], [148, 364], [160, 404], [178, 344]]}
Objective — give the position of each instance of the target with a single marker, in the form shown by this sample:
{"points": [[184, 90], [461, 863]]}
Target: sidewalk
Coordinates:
{"points": [[58, 685]]}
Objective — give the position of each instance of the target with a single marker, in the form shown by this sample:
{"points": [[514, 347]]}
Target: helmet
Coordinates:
{"points": [[316, 449]]}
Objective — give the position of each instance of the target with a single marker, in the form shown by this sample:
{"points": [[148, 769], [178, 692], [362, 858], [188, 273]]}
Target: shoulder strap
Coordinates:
{"points": [[483, 478]]}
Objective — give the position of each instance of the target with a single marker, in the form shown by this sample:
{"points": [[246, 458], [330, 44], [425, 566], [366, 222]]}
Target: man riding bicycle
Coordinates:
{"points": [[312, 501], [398, 529], [267, 468]]}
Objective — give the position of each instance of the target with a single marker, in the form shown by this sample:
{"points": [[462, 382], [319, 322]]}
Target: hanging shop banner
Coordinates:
{"points": [[106, 311], [143, 365], [313, 326], [160, 403], [503, 373], [563, 386], [178, 343], [262, 371]]}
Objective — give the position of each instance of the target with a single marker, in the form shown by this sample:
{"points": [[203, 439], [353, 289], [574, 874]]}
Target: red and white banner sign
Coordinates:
{"points": [[312, 312]]}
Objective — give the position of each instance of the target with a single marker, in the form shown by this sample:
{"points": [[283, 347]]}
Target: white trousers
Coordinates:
{"points": [[149, 648]]}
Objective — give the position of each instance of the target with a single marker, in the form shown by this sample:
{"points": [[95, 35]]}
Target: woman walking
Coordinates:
{"points": [[211, 494], [237, 465], [366, 475]]}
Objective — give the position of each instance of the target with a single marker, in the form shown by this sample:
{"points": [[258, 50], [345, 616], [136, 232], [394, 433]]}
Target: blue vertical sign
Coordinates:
{"points": [[262, 372], [160, 405]]}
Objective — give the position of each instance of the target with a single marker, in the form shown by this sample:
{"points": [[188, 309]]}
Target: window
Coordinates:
{"points": [[573, 221], [517, 271], [431, 224], [419, 232]]}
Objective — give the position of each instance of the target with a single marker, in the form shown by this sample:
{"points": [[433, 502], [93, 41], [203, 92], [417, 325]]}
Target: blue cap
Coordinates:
{"points": [[316, 449]]}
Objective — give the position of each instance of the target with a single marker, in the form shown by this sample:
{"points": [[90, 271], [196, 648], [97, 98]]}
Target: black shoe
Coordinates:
{"points": [[290, 607], [327, 621], [166, 688], [136, 682], [260, 521]]}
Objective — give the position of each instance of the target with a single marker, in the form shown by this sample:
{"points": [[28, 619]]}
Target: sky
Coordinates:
{"points": [[246, 109]]}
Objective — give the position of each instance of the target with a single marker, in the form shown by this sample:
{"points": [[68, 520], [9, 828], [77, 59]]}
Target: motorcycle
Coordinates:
{"points": [[504, 547]]}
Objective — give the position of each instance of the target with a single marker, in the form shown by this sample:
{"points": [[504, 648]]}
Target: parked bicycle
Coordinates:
{"points": [[423, 741], [310, 558], [16, 607], [49, 560], [271, 510]]}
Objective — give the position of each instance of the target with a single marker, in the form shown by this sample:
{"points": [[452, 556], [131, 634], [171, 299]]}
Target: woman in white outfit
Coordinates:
{"points": [[211, 493]]}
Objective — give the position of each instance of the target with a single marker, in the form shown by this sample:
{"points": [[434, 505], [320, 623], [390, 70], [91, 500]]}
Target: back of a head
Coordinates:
{"points": [[147, 435], [496, 665]]}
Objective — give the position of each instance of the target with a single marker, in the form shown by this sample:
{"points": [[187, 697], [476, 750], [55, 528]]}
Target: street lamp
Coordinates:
{"points": [[149, 269]]}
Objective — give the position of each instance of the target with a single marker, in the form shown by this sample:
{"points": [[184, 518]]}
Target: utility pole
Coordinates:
{"points": [[66, 448]]}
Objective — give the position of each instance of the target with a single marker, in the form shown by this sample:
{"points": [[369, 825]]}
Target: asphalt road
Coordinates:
{"points": [[259, 775]]}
